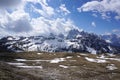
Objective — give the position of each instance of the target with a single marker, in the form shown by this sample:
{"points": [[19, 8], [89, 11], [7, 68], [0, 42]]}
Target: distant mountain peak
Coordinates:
{"points": [[75, 41]]}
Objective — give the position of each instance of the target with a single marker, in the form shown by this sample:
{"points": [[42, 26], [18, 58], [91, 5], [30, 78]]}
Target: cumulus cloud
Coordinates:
{"points": [[20, 25], [64, 9], [15, 22], [19, 22], [62, 26], [46, 11], [93, 24], [103, 7], [58, 26], [9, 3]]}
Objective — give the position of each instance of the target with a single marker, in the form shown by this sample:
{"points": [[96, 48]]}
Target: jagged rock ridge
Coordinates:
{"points": [[75, 41]]}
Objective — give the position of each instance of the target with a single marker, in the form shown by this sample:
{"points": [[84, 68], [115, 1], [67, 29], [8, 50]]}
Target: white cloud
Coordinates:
{"points": [[108, 33], [60, 25], [115, 30], [42, 25], [105, 16], [64, 9], [95, 15], [117, 17], [103, 7], [9, 3], [46, 11], [93, 24], [20, 22], [20, 25], [15, 23]]}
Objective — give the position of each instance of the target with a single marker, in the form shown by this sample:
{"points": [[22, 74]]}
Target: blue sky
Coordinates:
{"points": [[84, 19], [45, 16]]}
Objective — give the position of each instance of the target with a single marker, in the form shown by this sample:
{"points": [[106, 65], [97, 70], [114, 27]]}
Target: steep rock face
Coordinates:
{"points": [[90, 42], [75, 41]]}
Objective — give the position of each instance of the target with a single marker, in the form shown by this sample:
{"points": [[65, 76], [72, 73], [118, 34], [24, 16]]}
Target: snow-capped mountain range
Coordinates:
{"points": [[75, 41], [112, 38]]}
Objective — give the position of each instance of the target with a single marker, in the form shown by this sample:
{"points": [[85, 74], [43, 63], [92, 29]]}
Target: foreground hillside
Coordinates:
{"points": [[59, 66], [8, 72]]}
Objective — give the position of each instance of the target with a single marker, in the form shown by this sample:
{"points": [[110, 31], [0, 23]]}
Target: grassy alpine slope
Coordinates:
{"points": [[59, 66]]}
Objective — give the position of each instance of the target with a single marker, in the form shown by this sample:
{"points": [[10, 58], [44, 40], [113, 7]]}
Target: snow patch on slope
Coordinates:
{"points": [[95, 60], [57, 60], [29, 67], [111, 67], [63, 66], [91, 50]]}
